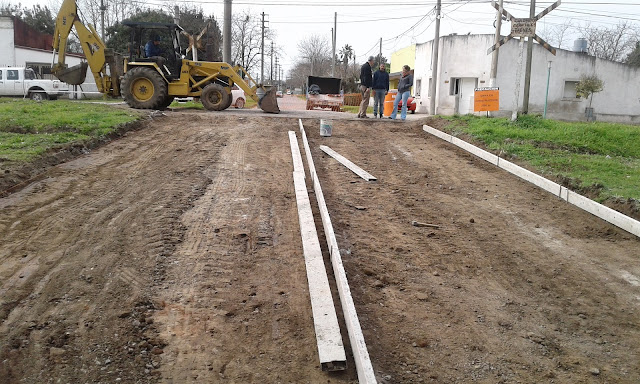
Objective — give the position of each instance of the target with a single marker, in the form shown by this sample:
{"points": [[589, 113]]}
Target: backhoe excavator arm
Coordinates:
{"points": [[95, 51]]}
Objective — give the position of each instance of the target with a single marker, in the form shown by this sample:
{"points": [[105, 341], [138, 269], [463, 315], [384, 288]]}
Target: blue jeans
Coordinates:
{"points": [[378, 101], [404, 97]]}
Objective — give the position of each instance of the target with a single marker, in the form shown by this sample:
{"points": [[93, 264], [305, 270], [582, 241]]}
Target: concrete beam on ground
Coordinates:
{"points": [[347, 163], [325, 320], [366, 374], [605, 213]]}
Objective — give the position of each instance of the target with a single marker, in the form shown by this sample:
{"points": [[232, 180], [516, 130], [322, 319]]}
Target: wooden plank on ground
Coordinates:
{"points": [[347, 163], [366, 375], [325, 320]]}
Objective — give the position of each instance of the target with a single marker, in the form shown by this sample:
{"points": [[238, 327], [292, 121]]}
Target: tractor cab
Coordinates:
{"points": [[157, 43]]}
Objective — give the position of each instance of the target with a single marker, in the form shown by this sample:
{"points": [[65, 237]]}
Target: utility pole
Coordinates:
{"points": [[102, 9], [277, 69], [380, 54], [226, 33], [334, 32], [527, 74], [494, 57], [262, 53], [271, 67], [434, 72]]}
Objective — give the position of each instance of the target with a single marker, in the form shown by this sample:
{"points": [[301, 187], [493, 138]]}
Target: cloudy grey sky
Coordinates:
{"points": [[361, 23]]}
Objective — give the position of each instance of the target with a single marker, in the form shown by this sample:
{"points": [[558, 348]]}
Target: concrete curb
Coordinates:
{"points": [[605, 213]]}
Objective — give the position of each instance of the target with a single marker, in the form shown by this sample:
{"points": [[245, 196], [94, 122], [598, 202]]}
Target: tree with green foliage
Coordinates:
{"points": [[634, 56], [37, 17], [588, 85]]}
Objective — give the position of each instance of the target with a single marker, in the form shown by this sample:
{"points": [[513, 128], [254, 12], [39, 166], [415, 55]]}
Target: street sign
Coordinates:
{"points": [[523, 27], [486, 99]]}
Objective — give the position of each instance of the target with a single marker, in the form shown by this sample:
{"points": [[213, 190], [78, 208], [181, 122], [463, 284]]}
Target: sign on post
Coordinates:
{"points": [[486, 99], [523, 27]]}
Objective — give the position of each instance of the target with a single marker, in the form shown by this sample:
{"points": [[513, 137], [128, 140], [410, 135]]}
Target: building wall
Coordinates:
{"points": [[465, 57], [404, 56], [16, 55], [6, 42]]}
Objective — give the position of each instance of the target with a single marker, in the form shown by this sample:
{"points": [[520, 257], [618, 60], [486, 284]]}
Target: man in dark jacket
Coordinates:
{"points": [[365, 87], [380, 89]]}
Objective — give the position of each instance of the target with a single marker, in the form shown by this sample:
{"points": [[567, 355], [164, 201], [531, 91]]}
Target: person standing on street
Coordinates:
{"points": [[380, 89], [404, 90], [365, 87]]}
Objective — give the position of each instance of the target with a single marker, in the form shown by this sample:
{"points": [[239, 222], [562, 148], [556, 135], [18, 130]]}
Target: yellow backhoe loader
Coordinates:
{"points": [[151, 82]]}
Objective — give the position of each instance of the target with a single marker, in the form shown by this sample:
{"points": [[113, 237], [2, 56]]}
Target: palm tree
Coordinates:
{"points": [[346, 53]]}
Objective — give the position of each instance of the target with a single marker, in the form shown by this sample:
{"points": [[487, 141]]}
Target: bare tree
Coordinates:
{"points": [[246, 40], [559, 36], [611, 43], [316, 51]]}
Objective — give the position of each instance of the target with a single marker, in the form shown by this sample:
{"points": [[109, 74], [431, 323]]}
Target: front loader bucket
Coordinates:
{"points": [[269, 102], [74, 75]]}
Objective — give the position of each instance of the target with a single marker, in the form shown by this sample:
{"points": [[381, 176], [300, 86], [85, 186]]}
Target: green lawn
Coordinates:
{"points": [[602, 158], [29, 129], [355, 109]]}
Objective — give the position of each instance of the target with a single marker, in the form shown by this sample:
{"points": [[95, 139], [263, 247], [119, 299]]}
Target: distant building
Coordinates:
{"points": [[21, 46], [463, 65]]}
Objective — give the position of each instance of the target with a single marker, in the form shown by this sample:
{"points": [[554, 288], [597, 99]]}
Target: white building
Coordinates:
{"points": [[21, 46], [463, 64]]}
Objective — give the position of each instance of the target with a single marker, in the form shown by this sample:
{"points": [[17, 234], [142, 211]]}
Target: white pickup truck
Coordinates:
{"points": [[21, 81]]}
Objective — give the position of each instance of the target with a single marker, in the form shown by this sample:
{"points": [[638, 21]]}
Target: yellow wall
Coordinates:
{"points": [[404, 56]]}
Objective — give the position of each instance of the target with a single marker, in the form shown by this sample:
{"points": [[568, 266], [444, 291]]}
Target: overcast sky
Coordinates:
{"points": [[361, 23]]}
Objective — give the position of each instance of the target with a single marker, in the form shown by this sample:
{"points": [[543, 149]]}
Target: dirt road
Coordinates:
{"points": [[173, 255]]}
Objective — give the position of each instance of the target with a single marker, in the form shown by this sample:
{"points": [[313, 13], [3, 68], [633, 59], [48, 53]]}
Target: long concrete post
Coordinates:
{"points": [[271, 67], [226, 33], [527, 74], [262, 53], [434, 73], [335, 33], [494, 57]]}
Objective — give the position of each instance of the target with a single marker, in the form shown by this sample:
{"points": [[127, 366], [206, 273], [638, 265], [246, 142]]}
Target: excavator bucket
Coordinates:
{"points": [[269, 102], [74, 75]]}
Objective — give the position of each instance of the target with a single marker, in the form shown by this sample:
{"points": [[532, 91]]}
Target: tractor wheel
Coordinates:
{"points": [[144, 88], [228, 104], [166, 102], [215, 98]]}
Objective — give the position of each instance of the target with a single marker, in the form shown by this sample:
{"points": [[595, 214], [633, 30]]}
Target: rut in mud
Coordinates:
{"points": [[173, 255]]}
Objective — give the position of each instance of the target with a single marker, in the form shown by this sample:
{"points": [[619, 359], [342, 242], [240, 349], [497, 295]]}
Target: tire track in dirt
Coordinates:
{"points": [[105, 229], [514, 286], [238, 312]]}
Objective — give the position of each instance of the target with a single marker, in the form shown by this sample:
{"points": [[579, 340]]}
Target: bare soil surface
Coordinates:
{"points": [[173, 255]]}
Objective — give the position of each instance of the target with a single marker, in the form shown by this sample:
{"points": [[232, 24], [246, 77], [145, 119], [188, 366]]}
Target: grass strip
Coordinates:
{"points": [[601, 160], [28, 129]]}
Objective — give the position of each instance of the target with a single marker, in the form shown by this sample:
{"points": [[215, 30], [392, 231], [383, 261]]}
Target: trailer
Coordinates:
{"points": [[324, 92]]}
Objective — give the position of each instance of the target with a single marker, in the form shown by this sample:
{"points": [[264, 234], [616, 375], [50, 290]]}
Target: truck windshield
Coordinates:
{"points": [[29, 74]]}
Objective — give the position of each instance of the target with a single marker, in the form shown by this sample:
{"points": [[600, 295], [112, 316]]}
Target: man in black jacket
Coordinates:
{"points": [[380, 89], [366, 80]]}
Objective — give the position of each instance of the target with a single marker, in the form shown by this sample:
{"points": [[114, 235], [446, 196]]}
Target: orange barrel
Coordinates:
{"points": [[388, 101]]}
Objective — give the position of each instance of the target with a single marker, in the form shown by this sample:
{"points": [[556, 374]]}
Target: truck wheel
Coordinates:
{"points": [[38, 95], [240, 103], [144, 88], [215, 98]]}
